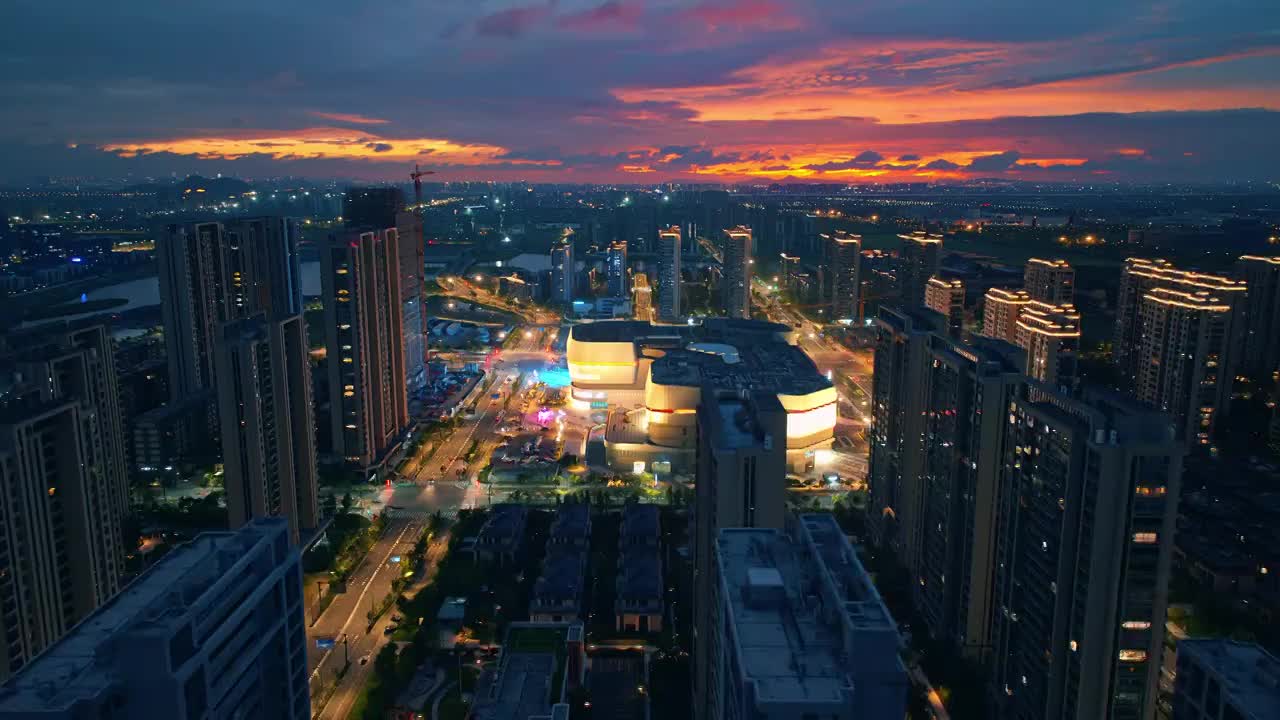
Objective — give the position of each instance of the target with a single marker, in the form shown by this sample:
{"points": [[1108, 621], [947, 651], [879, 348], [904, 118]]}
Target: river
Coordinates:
{"points": [[145, 292]]}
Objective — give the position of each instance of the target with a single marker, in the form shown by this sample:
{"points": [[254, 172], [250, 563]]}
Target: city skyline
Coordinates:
{"points": [[625, 91], [738, 358]]}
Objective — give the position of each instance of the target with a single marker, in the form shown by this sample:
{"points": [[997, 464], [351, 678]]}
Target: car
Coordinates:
{"points": [[388, 630], [396, 618], [364, 659]]}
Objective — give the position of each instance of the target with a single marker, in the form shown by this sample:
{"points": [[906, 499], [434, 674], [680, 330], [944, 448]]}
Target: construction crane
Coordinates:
{"points": [[417, 176]]}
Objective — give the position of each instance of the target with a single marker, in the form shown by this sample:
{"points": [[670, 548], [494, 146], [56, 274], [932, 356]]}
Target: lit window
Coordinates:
{"points": [[1145, 538], [1133, 655], [1136, 625], [1073, 645]]}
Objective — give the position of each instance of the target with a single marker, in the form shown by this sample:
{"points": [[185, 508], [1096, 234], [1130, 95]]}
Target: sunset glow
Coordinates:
{"points": [[681, 90]]}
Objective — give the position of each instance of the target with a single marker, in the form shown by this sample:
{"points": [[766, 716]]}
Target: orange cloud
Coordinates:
{"points": [[913, 81], [313, 143]]}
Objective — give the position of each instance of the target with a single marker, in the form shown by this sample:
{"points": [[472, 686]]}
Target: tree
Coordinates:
{"points": [[330, 505], [347, 502]]}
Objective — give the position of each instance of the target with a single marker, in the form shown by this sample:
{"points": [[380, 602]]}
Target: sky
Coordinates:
{"points": [[643, 91]]}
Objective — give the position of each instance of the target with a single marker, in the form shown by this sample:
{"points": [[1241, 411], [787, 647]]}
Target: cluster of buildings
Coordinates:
{"points": [[78, 418], [559, 593], [1036, 513], [1040, 318], [787, 622]]}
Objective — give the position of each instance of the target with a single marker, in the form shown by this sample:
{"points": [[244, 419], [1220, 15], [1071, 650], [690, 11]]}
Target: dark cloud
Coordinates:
{"points": [[380, 147], [614, 14], [865, 159], [908, 158], [994, 163], [514, 22], [941, 165]]}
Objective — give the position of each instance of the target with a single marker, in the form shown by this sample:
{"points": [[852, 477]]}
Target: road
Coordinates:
{"points": [[345, 620], [471, 288], [409, 505], [849, 370]]}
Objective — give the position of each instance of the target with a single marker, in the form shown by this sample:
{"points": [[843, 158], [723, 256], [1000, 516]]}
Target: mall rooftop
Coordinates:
{"points": [[709, 330], [721, 353], [774, 367]]}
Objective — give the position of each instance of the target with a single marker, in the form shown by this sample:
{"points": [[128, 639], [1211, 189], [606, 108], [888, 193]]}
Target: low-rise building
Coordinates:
{"points": [[571, 528], [540, 663], [501, 539], [558, 594], [1222, 679], [641, 525], [449, 621], [638, 605], [167, 436]]}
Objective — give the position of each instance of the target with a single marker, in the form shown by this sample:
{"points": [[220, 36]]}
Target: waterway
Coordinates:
{"points": [[145, 292]]}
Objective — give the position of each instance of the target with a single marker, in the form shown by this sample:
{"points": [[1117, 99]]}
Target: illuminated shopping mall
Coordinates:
{"points": [[651, 377]]}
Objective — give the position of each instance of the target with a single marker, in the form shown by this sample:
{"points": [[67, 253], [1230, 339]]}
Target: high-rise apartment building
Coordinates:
{"points": [[190, 259], [1050, 334], [1183, 352], [212, 273], [1000, 312], [1084, 528], [372, 207], [1260, 359], [1220, 679], [899, 396], [798, 629], [642, 299], [844, 258], [937, 442], [360, 282], [616, 269], [946, 297], [736, 289], [214, 276], [741, 483], [214, 629], [563, 271], [268, 432], [413, 312], [919, 258], [62, 476], [669, 249], [380, 208], [1139, 277], [1050, 281], [969, 388]]}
